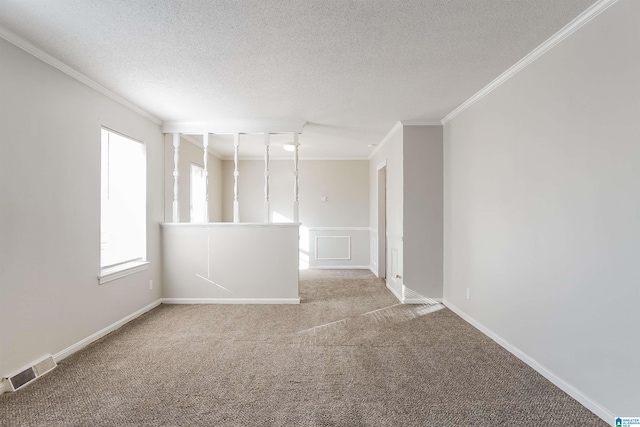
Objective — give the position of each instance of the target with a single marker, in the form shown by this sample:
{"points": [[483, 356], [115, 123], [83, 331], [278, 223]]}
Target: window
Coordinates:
{"points": [[123, 217], [198, 190]]}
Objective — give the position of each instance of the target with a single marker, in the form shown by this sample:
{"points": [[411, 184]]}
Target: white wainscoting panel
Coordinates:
{"points": [[336, 247], [333, 247]]}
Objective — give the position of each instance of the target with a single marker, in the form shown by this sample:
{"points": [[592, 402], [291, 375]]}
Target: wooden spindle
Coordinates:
{"points": [[267, 208], [205, 160], [296, 216], [236, 146]]}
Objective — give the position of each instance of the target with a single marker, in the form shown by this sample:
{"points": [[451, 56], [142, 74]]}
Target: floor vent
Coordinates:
{"points": [[24, 377]]}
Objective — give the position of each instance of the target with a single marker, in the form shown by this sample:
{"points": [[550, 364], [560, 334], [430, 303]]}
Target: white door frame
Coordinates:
{"points": [[381, 196]]}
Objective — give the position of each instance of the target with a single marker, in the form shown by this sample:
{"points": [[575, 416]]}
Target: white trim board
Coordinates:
{"points": [[325, 159], [420, 300], [231, 300], [594, 10], [18, 41], [421, 122], [395, 237], [190, 139], [4, 387], [117, 272], [101, 333], [339, 267], [237, 126], [386, 138], [399, 125], [403, 300], [230, 224], [409, 296], [584, 400], [301, 158], [338, 229]]}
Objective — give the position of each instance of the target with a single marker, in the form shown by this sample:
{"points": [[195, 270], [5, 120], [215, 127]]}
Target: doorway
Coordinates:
{"points": [[382, 221]]}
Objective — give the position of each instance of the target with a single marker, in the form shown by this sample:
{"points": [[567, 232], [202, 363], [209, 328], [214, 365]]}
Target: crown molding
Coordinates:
{"points": [[386, 138], [586, 16], [271, 126], [18, 41], [421, 122], [398, 126]]}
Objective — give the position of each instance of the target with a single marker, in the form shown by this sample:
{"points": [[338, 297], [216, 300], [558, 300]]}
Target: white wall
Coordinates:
{"points": [[50, 211], [412, 156], [344, 216], [423, 212], [251, 190], [188, 154], [237, 263], [542, 211]]}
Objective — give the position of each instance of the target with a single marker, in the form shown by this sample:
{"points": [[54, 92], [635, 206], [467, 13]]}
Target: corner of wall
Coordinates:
{"points": [[4, 386], [101, 333], [584, 400], [373, 269]]}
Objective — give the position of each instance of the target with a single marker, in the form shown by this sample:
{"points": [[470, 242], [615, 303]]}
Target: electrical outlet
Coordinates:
{"points": [[151, 284], [468, 293]]}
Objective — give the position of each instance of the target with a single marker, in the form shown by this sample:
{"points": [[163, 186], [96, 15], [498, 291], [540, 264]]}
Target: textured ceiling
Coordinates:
{"points": [[350, 68]]}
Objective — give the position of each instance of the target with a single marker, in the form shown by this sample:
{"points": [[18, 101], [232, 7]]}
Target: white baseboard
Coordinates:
{"points": [[409, 296], [339, 267], [91, 338], [415, 300], [4, 386], [231, 300], [422, 300], [584, 400], [374, 270], [339, 228]]}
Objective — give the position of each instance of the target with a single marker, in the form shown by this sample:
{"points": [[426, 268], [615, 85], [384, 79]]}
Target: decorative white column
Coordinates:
{"points": [[236, 146], [296, 216], [267, 208], [205, 160], [176, 174]]}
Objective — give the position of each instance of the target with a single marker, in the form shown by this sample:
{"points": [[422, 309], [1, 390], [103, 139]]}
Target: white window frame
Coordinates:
{"points": [[125, 267]]}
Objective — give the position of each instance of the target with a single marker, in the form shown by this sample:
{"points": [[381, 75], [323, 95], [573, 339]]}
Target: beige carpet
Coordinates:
{"points": [[349, 355]]}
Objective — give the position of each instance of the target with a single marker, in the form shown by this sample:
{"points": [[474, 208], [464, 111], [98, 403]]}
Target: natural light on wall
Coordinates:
{"points": [[123, 200], [198, 202], [303, 238]]}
